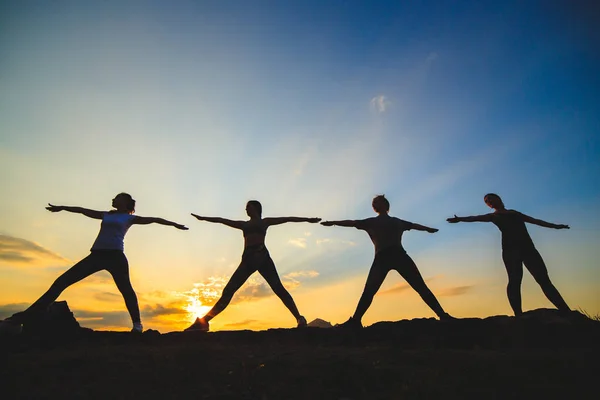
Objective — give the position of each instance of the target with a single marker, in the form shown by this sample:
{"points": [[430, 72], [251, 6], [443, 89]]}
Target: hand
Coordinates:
{"points": [[313, 220], [54, 208], [327, 223], [182, 227], [198, 217], [453, 220], [432, 230], [561, 226]]}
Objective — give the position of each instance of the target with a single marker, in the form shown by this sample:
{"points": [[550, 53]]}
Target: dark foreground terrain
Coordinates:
{"points": [[542, 355]]}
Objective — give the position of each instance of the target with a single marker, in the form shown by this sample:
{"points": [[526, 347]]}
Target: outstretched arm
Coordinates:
{"points": [[218, 220], [78, 210], [545, 224], [475, 218], [347, 223], [283, 220], [424, 228], [137, 220]]}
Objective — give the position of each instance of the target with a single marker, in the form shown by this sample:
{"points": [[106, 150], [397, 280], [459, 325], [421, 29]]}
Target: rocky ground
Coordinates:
{"points": [[542, 354]]}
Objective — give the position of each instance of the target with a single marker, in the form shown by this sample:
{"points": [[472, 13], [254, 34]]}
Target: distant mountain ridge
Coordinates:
{"points": [[319, 323]]}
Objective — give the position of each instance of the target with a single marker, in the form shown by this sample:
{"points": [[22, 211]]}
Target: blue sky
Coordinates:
{"points": [[313, 109]]}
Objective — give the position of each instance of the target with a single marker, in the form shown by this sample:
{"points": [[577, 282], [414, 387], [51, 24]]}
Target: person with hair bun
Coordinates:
{"points": [[518, 249], [106, 254], [256, 257], [385, 232]]}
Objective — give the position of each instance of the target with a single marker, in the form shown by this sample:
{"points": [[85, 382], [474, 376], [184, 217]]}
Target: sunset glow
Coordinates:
{"points": [[202, 297], [312, 108]]}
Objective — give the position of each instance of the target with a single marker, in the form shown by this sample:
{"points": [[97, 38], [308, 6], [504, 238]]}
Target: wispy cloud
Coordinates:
{"points": [[304, 159], [329, 241], [454, 291], [205, 294], [17, 250], [6, 310], [163, 314], [451, 174], [157, 310], [108, 297], [298, 242], [256, 289], [398, 288], [248, 324], [102, 319], [302, 274], [432, 57], [380, 103], [446, 292]]}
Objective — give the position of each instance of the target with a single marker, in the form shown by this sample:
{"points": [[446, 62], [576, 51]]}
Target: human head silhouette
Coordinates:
{"points": [[254, 208], [493, 201], [124, 202], [380, 204]]}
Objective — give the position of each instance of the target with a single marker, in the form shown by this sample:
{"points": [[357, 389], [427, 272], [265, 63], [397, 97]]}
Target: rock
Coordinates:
{"points": [[319, 323], [57, 320]]}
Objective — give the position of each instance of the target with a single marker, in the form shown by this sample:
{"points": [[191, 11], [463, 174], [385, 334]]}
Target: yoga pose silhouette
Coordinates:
{"points": [[518, 249], [386, 233], [106, 254], [255, 258]]}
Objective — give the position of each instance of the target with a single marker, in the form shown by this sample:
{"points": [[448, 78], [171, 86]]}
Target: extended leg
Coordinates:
{"points": [[409, 271], [79, 271], [241, 275], [376, 276], [269, 272], [514, 268], [119, 270], [536, 266]]}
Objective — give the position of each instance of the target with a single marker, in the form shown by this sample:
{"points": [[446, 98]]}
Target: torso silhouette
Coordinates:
{"points": [[112, 231], [384, 231], [514, 232], [254, 233]]}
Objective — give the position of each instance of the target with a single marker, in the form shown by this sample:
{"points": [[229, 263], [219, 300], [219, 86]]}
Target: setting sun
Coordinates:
{"points": [[202, 296], [196, 309]]}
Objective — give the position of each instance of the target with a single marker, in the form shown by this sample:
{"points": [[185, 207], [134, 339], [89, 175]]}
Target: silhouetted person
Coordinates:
{"points": [[518, 249], [106, 254], [386, 233], [255, 258]]}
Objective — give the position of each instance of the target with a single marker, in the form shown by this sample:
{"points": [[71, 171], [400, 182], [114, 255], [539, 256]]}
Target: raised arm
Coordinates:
{"points": [[218, 220], [77, 210], [283, 220], [137, 220], [347, 223], [545, 224], [475, 218]]}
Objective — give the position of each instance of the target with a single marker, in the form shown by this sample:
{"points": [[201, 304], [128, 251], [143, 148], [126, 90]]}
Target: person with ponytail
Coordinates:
{"points": [[518, 249], [106, 254]]}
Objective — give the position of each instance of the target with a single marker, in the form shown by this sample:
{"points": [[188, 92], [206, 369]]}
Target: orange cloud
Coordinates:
{"points": [[205, 294], [455, 291], [22, 251], [398, 288]]}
